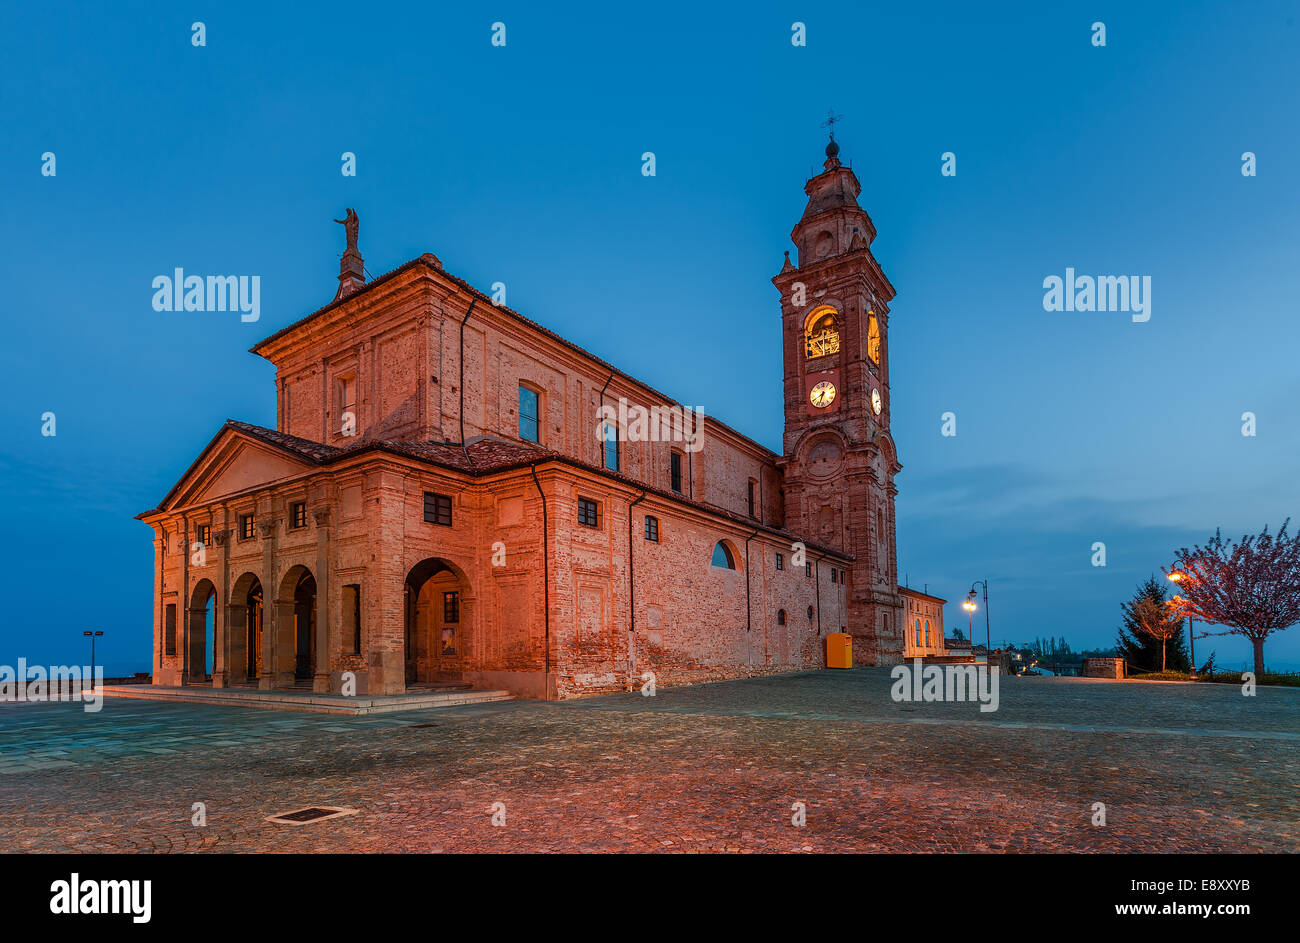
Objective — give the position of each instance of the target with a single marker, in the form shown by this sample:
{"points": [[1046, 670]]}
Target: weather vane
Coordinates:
{"points": [[831, 118]]}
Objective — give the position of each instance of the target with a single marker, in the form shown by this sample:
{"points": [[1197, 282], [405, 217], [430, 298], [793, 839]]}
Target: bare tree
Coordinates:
{"points": [[1158, 620], [1252, 586]]}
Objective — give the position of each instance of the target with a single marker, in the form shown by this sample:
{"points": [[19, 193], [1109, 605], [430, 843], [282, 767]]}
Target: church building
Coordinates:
{"points": [[452, 492]]}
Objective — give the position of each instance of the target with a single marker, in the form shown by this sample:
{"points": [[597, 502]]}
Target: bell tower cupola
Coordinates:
{"points": [[832, 222]]}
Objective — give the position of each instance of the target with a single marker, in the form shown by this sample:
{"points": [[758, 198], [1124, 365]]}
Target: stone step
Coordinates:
{"points": [[293, 700]]}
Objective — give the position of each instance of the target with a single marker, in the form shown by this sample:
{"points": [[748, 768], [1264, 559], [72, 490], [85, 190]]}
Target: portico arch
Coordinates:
{"points": [[295, 627], [244, 620], [438, 625], [200, 634]]}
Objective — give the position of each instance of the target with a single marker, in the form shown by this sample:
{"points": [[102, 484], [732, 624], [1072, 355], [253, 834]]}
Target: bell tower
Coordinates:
{"points": [[839, 458]]}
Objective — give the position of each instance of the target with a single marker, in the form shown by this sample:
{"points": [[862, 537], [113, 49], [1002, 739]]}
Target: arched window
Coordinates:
{"points": [[821, 333], [873, 338], [780, 617], [918, 632], [722, 556], [927, 633]]}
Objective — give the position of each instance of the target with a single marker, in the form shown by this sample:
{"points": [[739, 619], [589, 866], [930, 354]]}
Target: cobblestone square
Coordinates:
{"points": [[718, 767]]}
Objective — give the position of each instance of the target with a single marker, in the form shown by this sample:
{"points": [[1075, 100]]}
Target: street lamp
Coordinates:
{"points": [[988, 642], [1180, 577], [969, 606], [92, 636]]}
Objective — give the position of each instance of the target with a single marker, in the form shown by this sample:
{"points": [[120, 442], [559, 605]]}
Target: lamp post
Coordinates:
{"points": [[969, 606], [92, 636], [1178, 576], [988, 642]]}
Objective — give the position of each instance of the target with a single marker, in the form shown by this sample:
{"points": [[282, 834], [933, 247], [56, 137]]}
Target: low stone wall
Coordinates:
{"points": [[1103, 668]]}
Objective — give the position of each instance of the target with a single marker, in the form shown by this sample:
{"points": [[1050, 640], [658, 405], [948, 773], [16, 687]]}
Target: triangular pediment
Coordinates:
{"points": [[233, 463]]}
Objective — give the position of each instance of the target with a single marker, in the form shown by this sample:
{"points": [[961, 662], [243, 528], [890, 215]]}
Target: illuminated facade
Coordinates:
{"points": [[447, 496], [923, 624]]}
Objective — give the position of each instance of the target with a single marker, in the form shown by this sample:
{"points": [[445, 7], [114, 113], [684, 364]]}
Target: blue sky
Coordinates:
{"points": [[522, 165]]}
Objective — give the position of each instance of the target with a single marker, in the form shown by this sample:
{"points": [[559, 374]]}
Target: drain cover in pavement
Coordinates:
{"points": [[308, 815]]}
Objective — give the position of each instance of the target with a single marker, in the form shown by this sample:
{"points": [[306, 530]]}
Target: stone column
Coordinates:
{"points": [[284, 657], [220, 614], [159, 549], [272, 618], [184, 644], [385, 639], [324, 628], [236, 624]]}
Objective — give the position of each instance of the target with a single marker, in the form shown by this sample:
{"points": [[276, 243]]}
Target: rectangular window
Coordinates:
{"points": [[588, 512], [610, 435], [834, 575], [203, 534], [352, 616], [169, 630], [451, 607], [651, 528], [246, 522], [529, 425], [676, 471], [780, 561], [807, 569], [437, 509], [298, 514], [751, 498]]}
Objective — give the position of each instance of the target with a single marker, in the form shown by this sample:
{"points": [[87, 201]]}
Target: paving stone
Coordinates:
{"points": [[703, 769]]}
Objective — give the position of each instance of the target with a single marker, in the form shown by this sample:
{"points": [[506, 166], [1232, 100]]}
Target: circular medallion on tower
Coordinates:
{"points": [[823, 394], [825, 456]]}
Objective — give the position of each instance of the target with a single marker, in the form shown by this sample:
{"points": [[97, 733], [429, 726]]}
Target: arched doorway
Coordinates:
{"points": [[304, 620], [200, 627], [243, 630], [296, 634], [437, 621]]}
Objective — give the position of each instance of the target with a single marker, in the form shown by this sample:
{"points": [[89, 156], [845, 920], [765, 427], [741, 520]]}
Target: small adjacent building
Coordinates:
{"points": [[922, 623]]}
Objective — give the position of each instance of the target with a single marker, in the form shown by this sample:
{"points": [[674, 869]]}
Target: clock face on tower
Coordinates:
{"points": [[876, 404], [822, 395]]}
